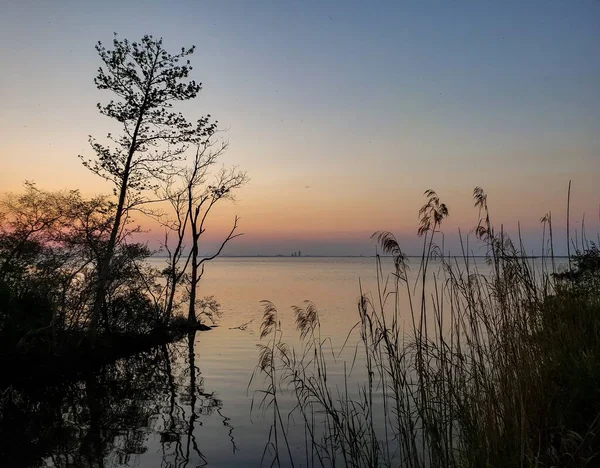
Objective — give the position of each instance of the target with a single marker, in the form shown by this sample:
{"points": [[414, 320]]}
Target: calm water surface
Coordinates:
{"points": [[188, 403]]}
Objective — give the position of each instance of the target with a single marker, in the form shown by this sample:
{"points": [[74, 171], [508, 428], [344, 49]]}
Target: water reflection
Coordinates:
{"points": [[149, 402]]}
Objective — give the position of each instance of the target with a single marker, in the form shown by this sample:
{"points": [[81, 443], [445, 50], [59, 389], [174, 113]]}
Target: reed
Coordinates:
{"points": [[494, 369]]}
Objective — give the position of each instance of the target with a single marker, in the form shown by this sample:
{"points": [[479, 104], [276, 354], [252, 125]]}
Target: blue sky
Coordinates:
{"points": [[343, 113]]}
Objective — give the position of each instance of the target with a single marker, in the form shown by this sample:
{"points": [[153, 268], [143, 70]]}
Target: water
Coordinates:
{"points": [[188, 403]]}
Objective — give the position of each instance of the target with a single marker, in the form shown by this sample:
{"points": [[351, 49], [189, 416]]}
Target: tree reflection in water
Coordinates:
{"points": [[110, 417]]}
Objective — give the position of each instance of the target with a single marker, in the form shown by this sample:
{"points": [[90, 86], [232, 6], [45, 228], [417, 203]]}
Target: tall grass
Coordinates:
{"points": [[495, 369]]}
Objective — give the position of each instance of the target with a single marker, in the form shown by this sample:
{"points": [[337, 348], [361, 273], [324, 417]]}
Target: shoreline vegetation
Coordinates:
{"points": [[484, 369], [75, 286]]}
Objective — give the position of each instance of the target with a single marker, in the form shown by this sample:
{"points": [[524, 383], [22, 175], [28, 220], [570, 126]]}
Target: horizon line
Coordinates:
{"points": [[360, 256]]}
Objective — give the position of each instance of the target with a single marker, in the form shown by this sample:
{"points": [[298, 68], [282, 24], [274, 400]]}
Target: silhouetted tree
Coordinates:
{"points": [[48, 248], [201, 200], [146, 80], [27, 221], [177, 192], [192, 198], [51, 244]]}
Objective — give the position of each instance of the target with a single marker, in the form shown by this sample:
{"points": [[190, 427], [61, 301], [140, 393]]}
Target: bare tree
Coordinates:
{"points": [[146, 80], [176, 192], [201, 201], [174, 272], [192, 199], [28, 220]]}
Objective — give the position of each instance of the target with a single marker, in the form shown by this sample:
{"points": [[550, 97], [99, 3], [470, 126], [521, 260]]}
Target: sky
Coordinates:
{"points": [[342, 113]]}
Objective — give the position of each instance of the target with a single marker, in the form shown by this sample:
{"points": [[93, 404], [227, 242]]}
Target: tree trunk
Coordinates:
{"points": [[193, 284], [107, 255], [170, 300]]}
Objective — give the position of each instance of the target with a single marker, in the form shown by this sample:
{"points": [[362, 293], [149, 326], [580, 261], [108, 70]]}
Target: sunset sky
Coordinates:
{"points": [[342, 113]]}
